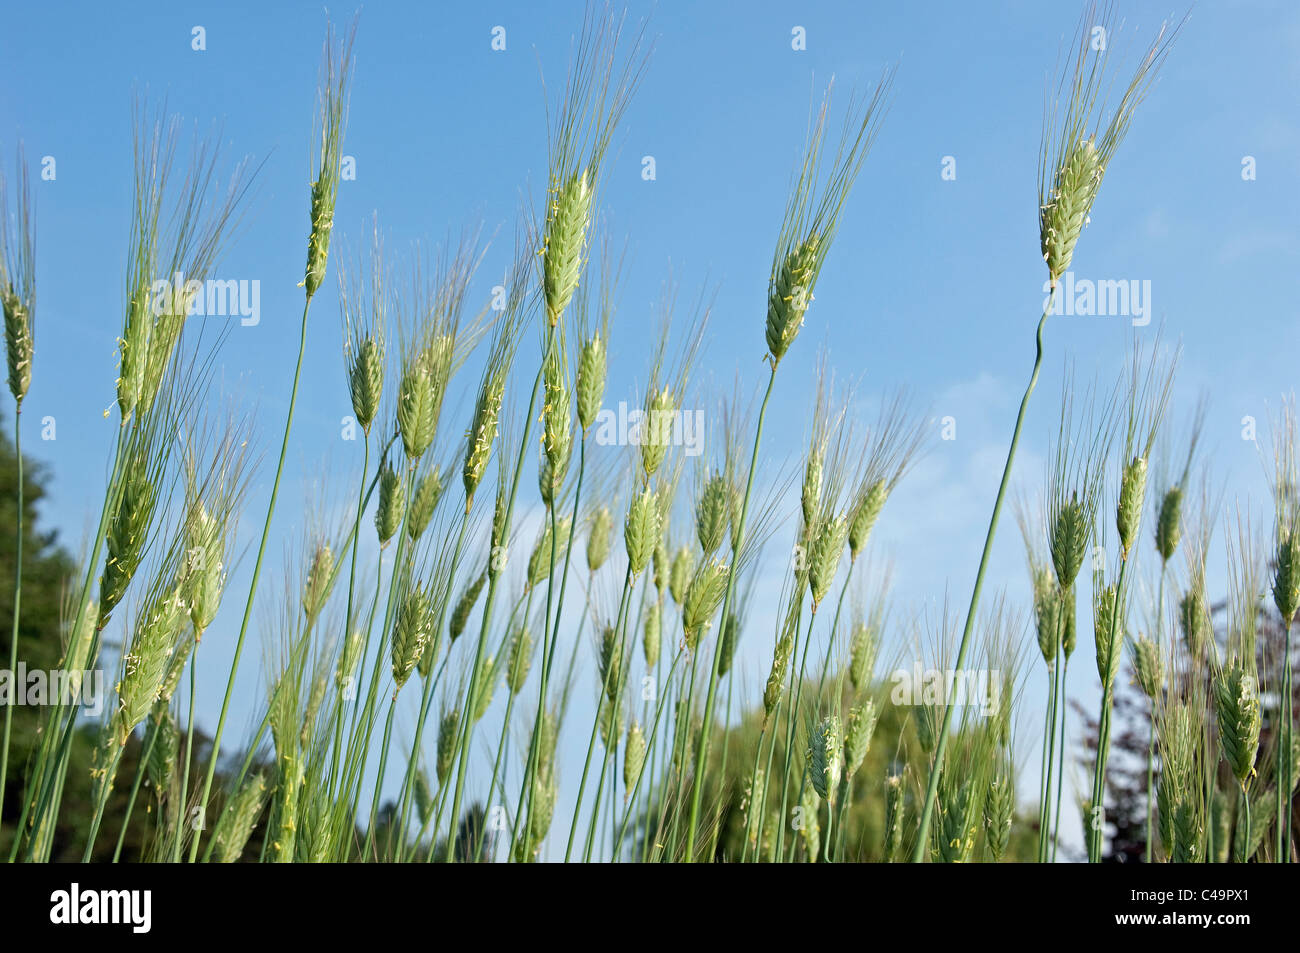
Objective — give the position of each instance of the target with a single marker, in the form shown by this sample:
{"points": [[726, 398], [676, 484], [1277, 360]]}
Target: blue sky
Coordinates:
{"points": [[933, 283]]}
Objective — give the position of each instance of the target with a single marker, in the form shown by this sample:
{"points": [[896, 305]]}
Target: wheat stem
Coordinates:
{"points": [[595, 721], [347, 614], [654, 728], [1060, 755], [146, 752], [504, 740], [932, 786], [18, 592], [1049, 723], [1283, 759], [702, 753], [43, 775], [189, 749], [1097, 809], [101, 801], [252, 588]]}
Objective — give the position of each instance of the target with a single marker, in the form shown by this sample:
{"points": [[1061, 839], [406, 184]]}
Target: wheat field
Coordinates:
{"points": [[516, 637]]}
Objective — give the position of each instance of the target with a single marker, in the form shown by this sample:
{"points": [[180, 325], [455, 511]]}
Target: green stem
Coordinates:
{"points": [[753, 800], [932, 786], [835, 624], [1060, 760], [595, 724], [110, 769], [797, 689], [189, 749], [45, 775], [1049, 737], [347, 615], [1096, 813], [252, 588], [1243, 829], [792, 714], [379, 781], [408, 783], [505, 541], [697, 786], [1284, 755], [1151, 771], [18, 593], [650, 744], [503, 741], [146, 752]]}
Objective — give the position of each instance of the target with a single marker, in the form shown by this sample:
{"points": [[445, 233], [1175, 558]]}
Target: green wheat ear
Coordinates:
{"points": [[1236, 698], [565, 241], [633, 757], [520, 660], [825, 759], [812, 216], [1065, 210], [349, 657], [857, 736], [488, 679], [539, 561], [651, 635], [611, 662], [1132, 492], [131, 525], [703, 597], [1148, 666], [641, 530], [1081, 135], [1286, 577], [1169, 524], [423, 502], [863, 645], [336, 70], [1047, 601], [867, 510], [810, 822], [999, 811], [711, 514], [145, 662], [727, 648], [364, 306], [392, 504], [958, 813], [791, 295], [320, 581], [894, 811], [590, 384], [594, 99], [775, 686], [599, 537], [238, 819], [465, 605], [448, 732], [824, 557], [18, 283], [1108, 634], [162, 759], [411, 631], [680, 571]]}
